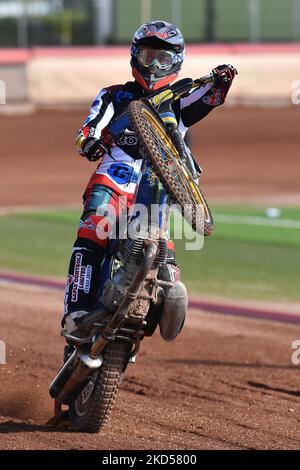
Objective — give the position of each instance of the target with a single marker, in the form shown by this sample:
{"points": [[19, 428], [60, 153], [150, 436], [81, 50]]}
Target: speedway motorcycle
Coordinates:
{"points": [[133, 299]]}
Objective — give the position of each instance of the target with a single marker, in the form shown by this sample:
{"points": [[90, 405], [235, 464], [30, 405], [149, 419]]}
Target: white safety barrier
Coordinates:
{"points": [[56, 77]]}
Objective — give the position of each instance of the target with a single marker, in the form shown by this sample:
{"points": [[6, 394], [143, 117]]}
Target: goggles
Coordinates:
{"points": [[160, 58]]}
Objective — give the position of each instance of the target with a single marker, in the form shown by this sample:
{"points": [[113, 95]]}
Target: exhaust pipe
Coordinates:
{"points": [[174, 311], [80, 367], [73, 377]]}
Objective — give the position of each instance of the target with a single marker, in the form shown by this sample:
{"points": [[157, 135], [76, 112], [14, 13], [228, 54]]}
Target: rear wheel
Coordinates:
{"points": [[91, 410], [167, 164]]}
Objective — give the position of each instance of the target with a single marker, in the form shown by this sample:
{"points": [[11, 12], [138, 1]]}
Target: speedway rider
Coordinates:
{"points": [[157, 54]]}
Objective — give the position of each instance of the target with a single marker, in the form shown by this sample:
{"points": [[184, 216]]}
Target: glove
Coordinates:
{"points": [[223, 75], [94, 149]]}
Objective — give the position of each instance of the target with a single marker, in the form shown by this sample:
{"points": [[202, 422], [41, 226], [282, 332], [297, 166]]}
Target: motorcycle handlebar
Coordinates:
{"points": [[183, 86], [186, 84], [204, 80]]}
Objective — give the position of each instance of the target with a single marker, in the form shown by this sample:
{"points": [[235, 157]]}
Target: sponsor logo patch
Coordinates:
{"points": [[88, 224], [121, 95], [127, 139], [81, 278], [215, 99], [122, 173]]}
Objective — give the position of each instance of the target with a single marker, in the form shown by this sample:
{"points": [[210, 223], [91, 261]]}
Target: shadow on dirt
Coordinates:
{"points": [[292, 393], [15, 427], [208, 362]]}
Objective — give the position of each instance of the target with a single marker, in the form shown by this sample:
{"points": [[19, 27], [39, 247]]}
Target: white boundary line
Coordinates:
{"points": [[11, 210], [253, 220], [224, 218]]}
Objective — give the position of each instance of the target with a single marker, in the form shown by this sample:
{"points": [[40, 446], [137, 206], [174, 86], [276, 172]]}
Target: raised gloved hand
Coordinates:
{"points": [[224, 75]]}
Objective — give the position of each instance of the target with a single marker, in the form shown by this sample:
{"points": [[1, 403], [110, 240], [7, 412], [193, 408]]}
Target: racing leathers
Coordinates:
{"points": [[117, 175]]}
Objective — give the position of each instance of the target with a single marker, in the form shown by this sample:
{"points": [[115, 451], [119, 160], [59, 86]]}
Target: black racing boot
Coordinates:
{"points": [[82, 284]]}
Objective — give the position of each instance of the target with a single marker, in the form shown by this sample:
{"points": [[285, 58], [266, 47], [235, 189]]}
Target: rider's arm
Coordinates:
{"points": [[91, 139], [203, 100]]}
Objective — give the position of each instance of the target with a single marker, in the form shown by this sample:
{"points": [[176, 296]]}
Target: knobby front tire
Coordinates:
{"points": [[158, 148]]}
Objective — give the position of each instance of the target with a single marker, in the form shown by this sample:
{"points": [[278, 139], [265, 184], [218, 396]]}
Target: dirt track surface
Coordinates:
{"points": [[247, 154], [226, 383]]}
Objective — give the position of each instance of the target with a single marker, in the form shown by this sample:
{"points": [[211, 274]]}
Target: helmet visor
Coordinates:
{"points": [[162, 59]]}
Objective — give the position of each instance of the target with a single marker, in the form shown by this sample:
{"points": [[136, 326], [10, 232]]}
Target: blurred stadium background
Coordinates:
{"points": [[49, 48], [55, 55], [91, 22]]}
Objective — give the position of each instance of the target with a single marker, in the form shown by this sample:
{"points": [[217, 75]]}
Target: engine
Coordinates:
{"points": [[124, 267]]}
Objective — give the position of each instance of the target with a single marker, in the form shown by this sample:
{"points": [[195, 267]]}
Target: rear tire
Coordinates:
{"points": [[91, 410]]}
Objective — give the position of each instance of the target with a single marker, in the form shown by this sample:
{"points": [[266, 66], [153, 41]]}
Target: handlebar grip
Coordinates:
{"points": [[204, 80]]}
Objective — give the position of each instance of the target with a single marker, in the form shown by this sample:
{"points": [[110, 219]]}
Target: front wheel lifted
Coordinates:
{"points": [[164, 157], [91, 410]]}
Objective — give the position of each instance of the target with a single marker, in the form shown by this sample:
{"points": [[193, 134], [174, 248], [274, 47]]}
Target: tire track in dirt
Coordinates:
{"points": [[225, 383]]}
